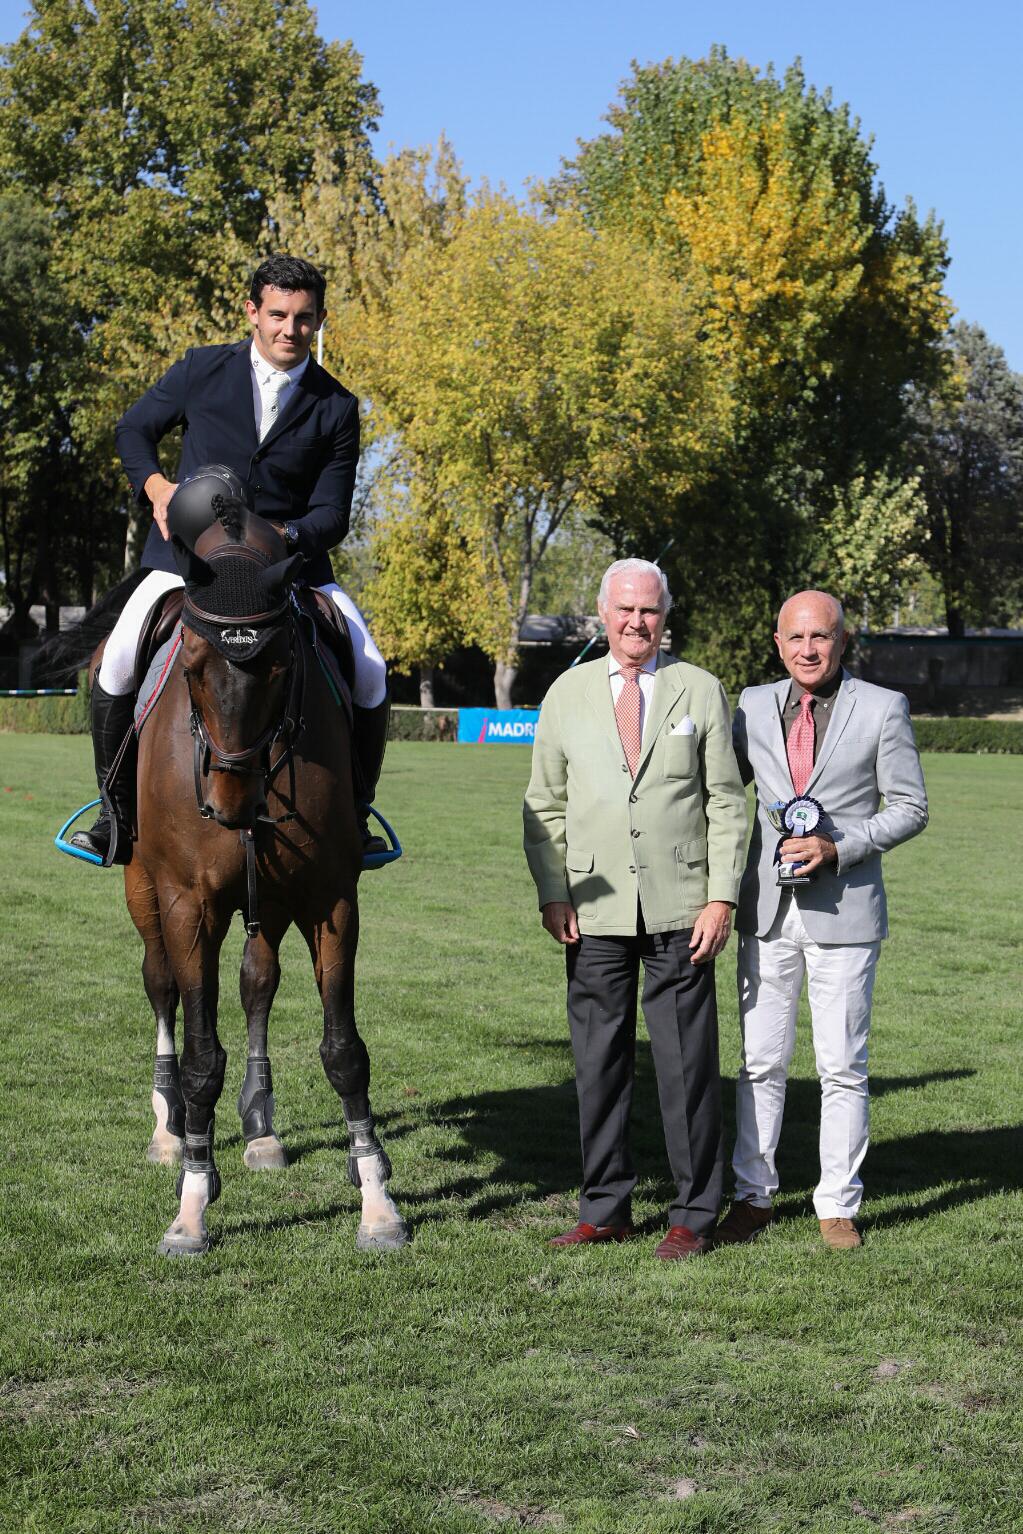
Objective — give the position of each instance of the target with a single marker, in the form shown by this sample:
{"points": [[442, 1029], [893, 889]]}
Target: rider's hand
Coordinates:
{"points": [[159, 491]]}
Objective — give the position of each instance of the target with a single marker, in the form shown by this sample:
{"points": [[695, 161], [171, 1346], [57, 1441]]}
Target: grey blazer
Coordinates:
{"points": [[869, 753]]}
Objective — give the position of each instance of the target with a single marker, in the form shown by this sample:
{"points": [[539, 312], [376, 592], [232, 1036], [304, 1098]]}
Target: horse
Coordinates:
{"points": [[246, 802]]}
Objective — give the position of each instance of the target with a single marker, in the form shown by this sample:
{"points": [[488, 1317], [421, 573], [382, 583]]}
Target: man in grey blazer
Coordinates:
{"points": [[848, 745], [635, 826]]}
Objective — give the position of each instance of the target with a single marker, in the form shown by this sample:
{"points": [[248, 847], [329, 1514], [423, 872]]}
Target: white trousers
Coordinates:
{"points": [[117, 672], [841, 984]]}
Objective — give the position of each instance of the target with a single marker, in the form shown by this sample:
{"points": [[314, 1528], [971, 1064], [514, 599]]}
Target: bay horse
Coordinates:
{"points": [[246, 803]]}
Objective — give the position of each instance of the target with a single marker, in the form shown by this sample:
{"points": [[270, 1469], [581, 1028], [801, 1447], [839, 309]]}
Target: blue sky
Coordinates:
{"points": [[936, 82]]}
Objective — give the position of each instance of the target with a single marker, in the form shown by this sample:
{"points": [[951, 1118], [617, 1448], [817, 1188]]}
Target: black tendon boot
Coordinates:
{"points": [[369, 744], [111, 720]]}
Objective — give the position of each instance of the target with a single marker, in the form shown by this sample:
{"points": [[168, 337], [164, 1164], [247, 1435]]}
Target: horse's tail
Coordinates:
{"points": [[63, 655]]}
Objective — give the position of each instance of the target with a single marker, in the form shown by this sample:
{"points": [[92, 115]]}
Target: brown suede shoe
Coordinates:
{"points": [[743, 1222], [585, 1235], [681, 1242], [840, 1235]]}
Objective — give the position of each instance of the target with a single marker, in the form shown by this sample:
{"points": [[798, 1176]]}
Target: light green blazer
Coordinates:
{"points": [[673, 839]]}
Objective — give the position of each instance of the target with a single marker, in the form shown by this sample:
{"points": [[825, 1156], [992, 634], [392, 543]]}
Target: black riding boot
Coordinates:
{"points": [[369, 744], [111, 720]]}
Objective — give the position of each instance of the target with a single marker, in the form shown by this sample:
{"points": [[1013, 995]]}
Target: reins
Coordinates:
{"points": [[208, 757]]}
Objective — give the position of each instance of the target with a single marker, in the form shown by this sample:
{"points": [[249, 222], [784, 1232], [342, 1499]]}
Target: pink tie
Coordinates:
{"points": [[628, 710], [800, 745]]}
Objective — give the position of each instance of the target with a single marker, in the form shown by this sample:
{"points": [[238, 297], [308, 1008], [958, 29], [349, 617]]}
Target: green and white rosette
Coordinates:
{"points": [[801, 815]]}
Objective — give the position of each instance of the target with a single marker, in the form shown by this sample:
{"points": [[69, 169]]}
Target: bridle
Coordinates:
{"points": [[257, 758]]}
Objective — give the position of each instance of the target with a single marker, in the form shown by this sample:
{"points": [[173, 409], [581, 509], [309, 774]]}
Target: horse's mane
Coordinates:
{"points": [[63, 655], [230, 513]]}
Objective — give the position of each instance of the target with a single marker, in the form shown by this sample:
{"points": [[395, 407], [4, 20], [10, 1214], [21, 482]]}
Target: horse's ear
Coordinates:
{"points": [[193, 570], [279, 577]]}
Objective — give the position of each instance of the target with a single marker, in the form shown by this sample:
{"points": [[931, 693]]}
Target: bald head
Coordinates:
{"points": [[811, 638]]}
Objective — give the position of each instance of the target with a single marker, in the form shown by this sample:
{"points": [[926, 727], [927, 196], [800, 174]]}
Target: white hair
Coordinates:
{"points": [[633, 567]]}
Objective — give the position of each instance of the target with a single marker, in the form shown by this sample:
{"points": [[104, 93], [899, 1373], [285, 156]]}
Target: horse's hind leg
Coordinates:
{"points": [[346, 1062], [168, 1142], [260, 977]]}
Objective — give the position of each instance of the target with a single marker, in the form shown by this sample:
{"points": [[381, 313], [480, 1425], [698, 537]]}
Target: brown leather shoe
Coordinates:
{"points": [[682, 1242], [743, 1222], [585, 1235], [840, 1235]]}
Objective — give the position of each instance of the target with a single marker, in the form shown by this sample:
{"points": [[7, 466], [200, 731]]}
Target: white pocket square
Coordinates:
{"points": [[685, 726]]}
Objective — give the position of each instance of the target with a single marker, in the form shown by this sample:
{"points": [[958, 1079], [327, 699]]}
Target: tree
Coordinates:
{"points": [[528, 371], [159, 135], [968, 447], [52, 503], [819, 310]]}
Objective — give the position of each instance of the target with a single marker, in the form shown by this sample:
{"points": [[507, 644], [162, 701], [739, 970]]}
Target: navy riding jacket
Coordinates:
{"points": [[303, 471]]}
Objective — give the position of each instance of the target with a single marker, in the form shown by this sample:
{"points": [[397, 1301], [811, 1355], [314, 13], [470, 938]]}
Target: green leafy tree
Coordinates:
{"points": [[819, 309], [529, 371], [160, 133], [968, 447], [52, 500]]}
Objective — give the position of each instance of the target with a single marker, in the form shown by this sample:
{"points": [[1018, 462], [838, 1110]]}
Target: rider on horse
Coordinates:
{"points": [[265, 411]]}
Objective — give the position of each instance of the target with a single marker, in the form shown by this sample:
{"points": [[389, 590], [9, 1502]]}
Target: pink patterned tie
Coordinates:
{"points": [[628, 713], [800, 745]]}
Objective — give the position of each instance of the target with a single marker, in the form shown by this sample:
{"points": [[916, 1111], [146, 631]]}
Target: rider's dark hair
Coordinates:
{"points": [[290, 274]]}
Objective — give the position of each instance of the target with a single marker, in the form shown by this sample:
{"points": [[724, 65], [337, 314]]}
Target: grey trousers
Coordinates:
{"points": [[680, 1009]]}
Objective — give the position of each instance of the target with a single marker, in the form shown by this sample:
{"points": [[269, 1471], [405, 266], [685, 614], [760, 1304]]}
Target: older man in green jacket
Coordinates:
{"points": [[635, 831]]}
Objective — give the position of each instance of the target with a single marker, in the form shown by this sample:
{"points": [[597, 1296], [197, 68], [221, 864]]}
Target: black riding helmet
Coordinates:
{"points": [[191, 509]]}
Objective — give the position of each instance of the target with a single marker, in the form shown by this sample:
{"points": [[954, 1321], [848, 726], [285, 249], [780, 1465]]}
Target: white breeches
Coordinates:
{"points": [[841, 985], [117, 672]]}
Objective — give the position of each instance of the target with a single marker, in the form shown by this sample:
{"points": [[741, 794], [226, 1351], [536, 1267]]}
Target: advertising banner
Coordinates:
{"points": [[497, 726]]}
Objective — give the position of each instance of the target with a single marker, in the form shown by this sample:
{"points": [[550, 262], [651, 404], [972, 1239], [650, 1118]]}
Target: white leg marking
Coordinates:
{"points": [[188, 1232], [379, 1211]]}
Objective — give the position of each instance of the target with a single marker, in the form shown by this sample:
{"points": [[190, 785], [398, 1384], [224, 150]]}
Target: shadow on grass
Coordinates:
{"points": [[528, 1139]]}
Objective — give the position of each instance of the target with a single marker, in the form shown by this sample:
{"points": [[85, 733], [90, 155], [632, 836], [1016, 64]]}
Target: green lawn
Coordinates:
{"points": [[478, 1380]]}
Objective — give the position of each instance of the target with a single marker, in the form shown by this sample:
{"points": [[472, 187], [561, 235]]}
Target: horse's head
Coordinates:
{"points": [[239, 654]]}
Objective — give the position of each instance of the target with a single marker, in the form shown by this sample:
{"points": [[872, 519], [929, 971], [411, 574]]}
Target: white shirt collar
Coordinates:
{"points": [[264, 369], [614, 667]]}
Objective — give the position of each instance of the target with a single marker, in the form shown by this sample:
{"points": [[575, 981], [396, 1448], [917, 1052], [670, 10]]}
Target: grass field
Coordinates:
{"points": [[479, 1381]]}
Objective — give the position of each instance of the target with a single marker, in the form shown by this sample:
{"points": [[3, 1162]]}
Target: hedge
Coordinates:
{"points": [[1000, 737], [70, 716], [46, 716], [409, 723]]}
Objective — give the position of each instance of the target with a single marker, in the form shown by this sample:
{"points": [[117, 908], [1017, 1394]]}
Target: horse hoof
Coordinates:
{"points": [[176, 1244], [266, 1154], [165, 1150], [382, 1238]]}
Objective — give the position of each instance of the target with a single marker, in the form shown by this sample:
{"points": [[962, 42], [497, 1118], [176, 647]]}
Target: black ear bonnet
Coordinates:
{"points": [[237, 580]]}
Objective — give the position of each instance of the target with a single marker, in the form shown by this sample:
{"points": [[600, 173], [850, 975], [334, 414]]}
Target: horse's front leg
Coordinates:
{"points": [[346, 1062], [168, 1142], [260, 977], [194, 935]]}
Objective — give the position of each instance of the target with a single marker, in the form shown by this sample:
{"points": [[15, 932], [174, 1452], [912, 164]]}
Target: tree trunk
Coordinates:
{"points": [[504, 681], [426, 687], [135, 542]]}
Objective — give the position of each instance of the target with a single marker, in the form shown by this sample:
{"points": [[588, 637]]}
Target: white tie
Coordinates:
{"points": [[270, 386]]}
